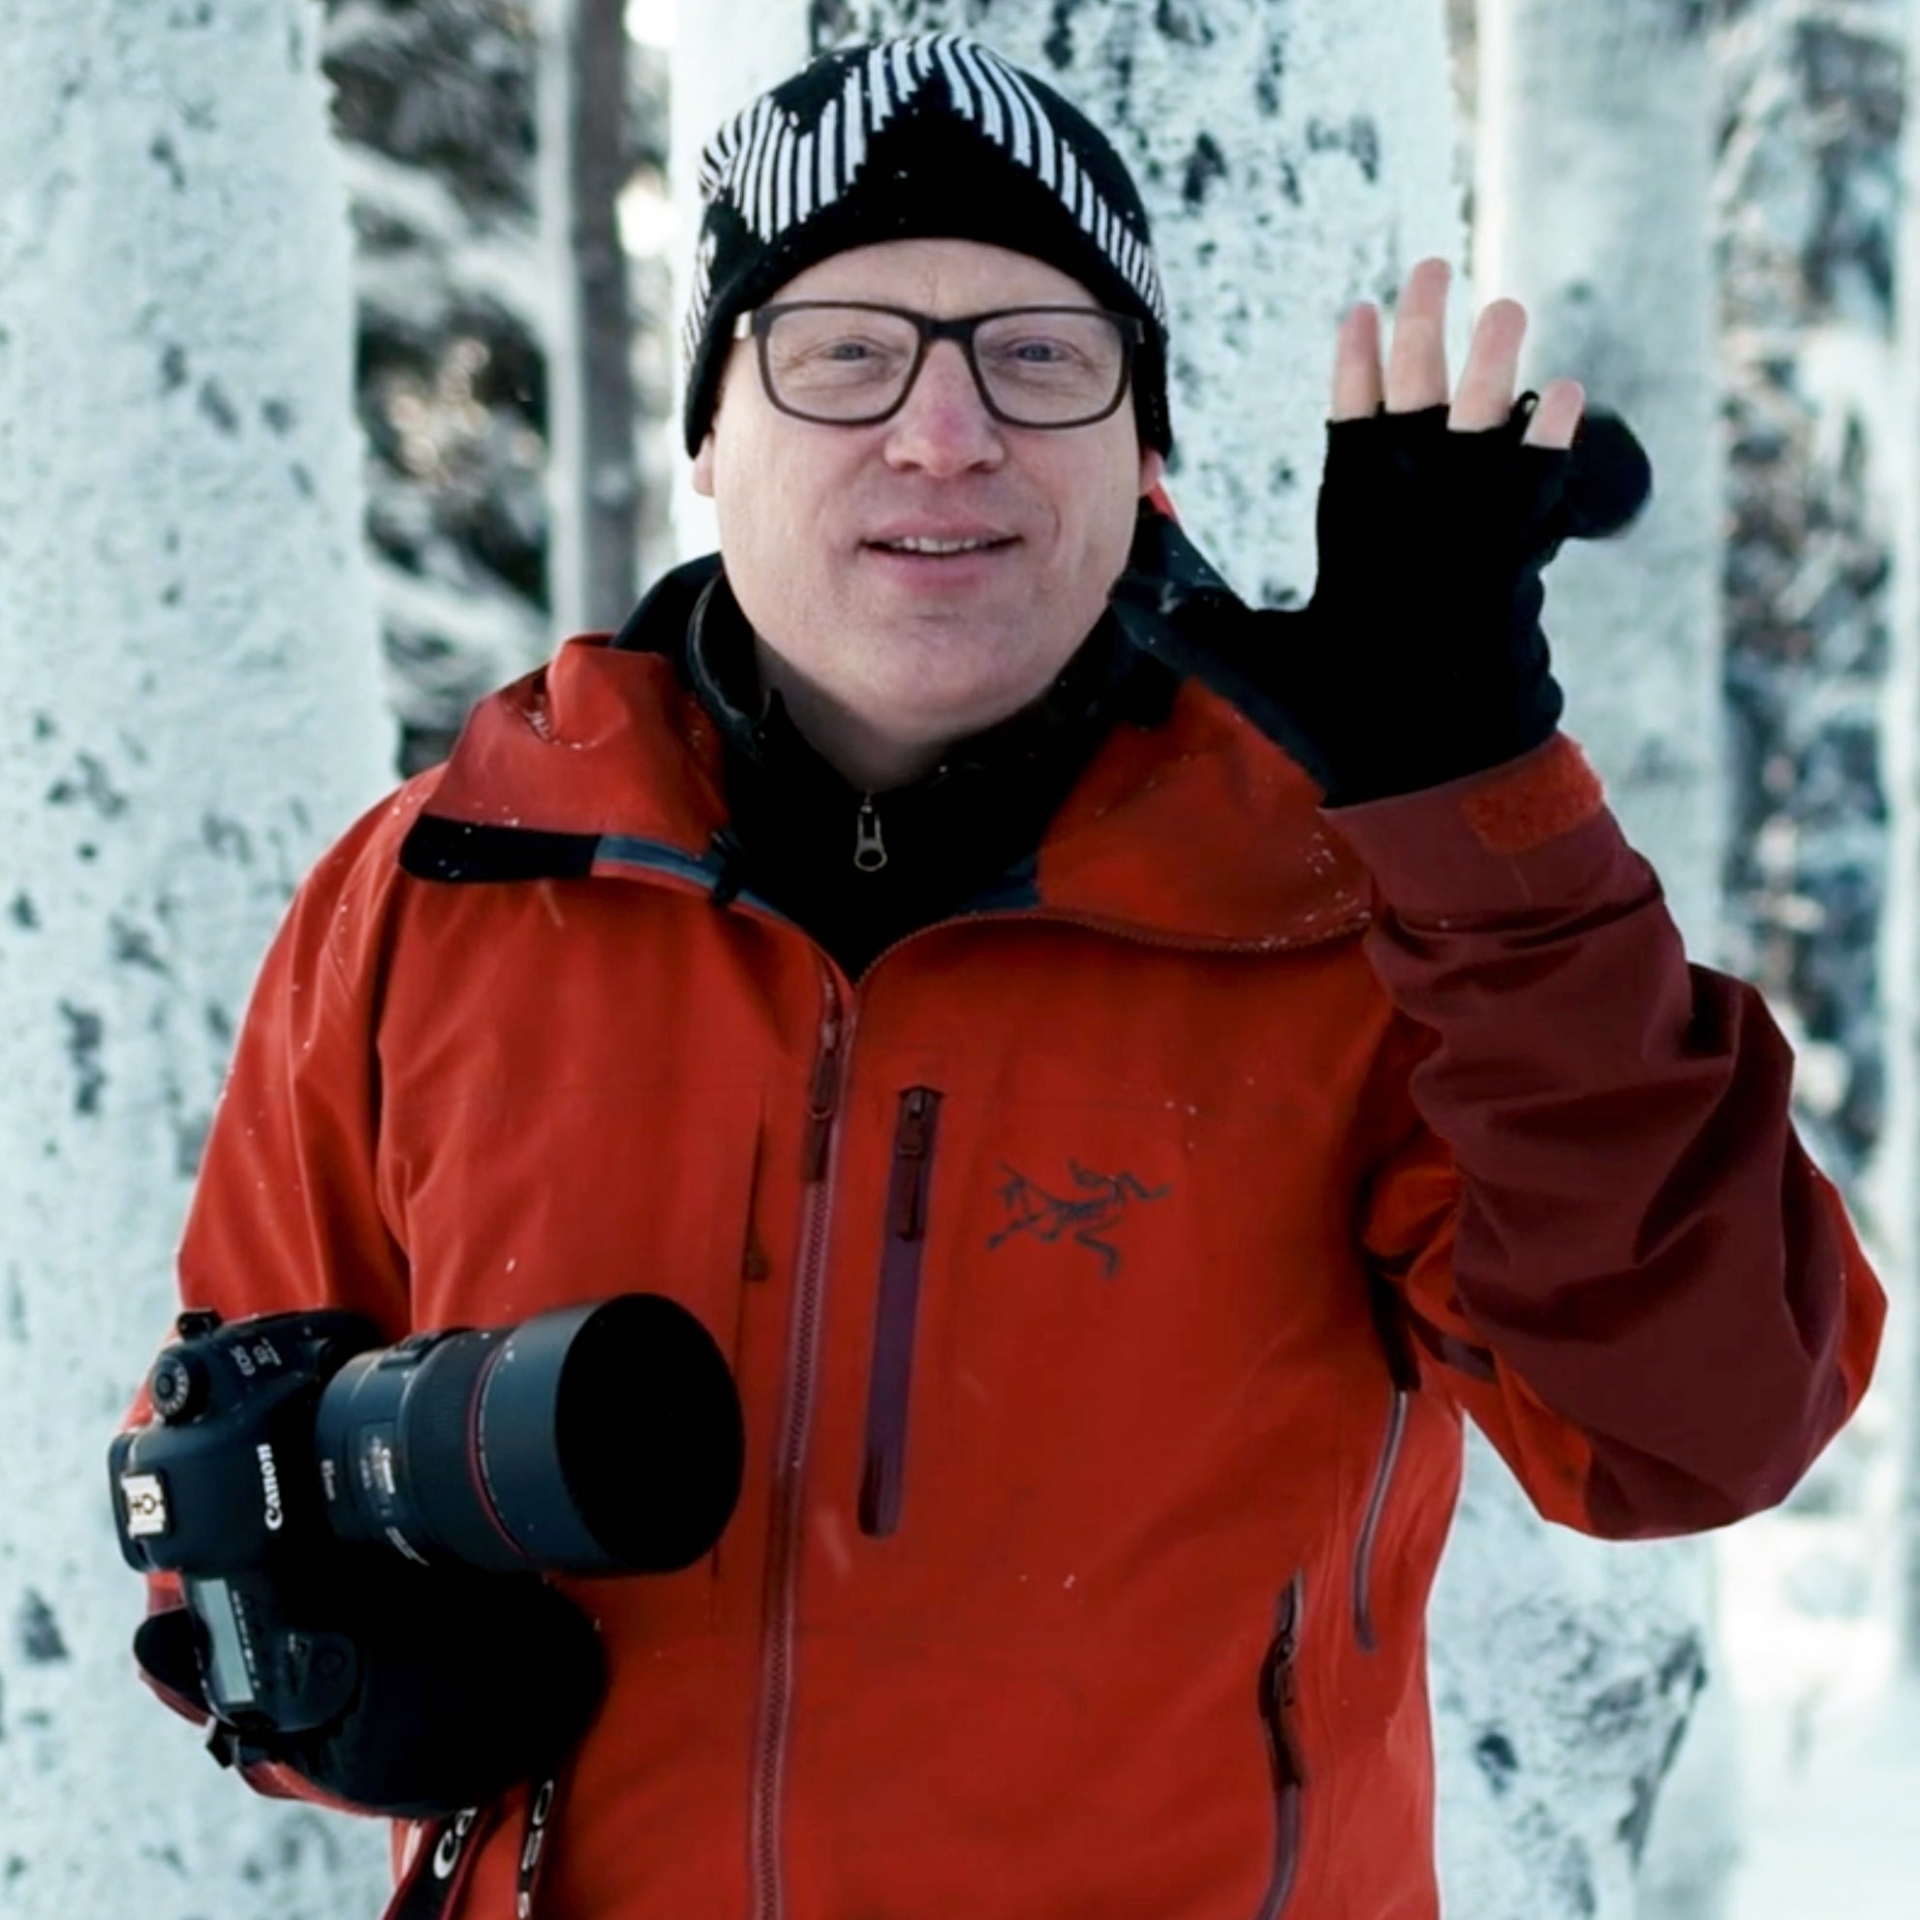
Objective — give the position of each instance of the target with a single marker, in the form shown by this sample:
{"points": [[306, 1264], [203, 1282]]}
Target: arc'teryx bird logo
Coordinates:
{"points": [[1091, 1213]]}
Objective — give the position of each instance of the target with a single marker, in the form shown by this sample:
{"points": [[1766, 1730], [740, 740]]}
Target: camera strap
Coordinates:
{"points": [[443, 1860], [541, 1802]]}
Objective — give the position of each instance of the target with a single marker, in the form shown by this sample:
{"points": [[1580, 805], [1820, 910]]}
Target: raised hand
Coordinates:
{"points": [[1416, 375], [1420, 658]]}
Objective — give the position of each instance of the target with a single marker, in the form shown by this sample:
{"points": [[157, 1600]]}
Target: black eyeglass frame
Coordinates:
{"points": [[960, 330]]}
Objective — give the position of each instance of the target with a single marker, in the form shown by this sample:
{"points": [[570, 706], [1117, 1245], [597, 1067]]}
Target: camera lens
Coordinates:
{"points": [[596, 1439]]}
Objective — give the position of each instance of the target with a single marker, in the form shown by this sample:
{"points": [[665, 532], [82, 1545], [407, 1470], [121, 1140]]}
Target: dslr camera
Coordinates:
{"points": [[595, 1439]]}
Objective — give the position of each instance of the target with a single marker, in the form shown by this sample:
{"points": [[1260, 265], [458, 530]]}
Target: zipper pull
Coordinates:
{"points": [[912, 1145], [869, 849]]}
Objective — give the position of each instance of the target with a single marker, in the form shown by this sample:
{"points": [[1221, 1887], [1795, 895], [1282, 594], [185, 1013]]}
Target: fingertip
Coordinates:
{"points": [[1557, 418], [1362, 317], [1356, 364]]}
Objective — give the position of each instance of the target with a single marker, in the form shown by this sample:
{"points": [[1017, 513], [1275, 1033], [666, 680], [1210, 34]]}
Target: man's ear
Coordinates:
{"points": [[703, 468]]}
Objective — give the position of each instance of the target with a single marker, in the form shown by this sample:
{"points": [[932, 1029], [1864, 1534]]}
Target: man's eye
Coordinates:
{"points": [[1035, 351], [1041, 359], [838, 356]]}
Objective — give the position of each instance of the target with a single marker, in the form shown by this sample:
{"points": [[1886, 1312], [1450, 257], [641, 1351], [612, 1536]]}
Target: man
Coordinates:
{"points": [[1116, 1131]]}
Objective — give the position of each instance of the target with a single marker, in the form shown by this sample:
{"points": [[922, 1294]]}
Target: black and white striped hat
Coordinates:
{"points": [[932, 137]]}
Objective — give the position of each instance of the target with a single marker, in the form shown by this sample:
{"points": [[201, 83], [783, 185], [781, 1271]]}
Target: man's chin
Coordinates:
{"points": [[946, 685]]}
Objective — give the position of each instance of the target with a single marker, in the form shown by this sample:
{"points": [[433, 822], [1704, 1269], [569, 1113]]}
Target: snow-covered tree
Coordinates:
{"points": [[1813, 96], [1593, 206], [1295, 158], [600, 157], [1901, 1149], [195, 708], [1811, 101]]}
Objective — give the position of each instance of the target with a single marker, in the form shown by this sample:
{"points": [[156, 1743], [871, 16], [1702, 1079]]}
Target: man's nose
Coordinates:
{"points": [[943, 425]]}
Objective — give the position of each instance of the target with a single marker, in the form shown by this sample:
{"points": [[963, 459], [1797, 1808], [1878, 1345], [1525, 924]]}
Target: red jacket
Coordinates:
{"points": [[1106, 1275]]}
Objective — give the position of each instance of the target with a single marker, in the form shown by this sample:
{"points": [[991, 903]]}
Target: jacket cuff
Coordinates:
{"points": [[1530, 835]]}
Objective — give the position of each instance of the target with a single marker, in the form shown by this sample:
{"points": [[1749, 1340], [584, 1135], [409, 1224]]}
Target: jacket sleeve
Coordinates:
{"points": [[1606, 1237], [284, 1214]]}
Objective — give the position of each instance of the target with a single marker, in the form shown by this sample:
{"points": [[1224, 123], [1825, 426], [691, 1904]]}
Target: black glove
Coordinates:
{"points": [[1420, 657], [470, 1683]]}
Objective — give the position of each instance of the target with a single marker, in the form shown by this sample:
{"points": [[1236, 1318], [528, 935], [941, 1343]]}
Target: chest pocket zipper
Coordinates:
{"points": [[883, 1477], [1403, 1370], [1364, 1546], [1278, 1716]]}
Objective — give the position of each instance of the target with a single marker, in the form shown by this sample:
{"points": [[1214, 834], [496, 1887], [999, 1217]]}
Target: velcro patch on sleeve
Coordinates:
{"points": [[1548, 794]]}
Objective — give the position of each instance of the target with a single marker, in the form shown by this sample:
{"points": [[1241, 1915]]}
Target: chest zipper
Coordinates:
{"points": [[1277, 1716], [1404, 1373], [882, 1479], [765, 1790], [1363, 1550]]}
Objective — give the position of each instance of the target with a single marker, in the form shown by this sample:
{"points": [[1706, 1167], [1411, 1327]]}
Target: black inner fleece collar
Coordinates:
{"points": [[950, 837]]}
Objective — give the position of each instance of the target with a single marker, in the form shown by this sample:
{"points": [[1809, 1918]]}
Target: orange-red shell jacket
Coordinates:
{"points": [[1106, 1275]]}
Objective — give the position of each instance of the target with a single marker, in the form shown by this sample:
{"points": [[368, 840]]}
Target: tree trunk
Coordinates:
{"points": [[602, 149], [436, 108], [1819, 682], [556, 182], [1592, 207], [195, 708], [722, 57], [1297, 156], [1901, 1155]]}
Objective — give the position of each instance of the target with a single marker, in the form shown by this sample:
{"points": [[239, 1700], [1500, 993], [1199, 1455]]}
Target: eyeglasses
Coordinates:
{"points": [[848, 363]]}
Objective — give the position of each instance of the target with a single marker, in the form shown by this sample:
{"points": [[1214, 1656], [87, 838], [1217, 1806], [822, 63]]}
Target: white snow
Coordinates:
{"points": [[1829, 1731], [654, 23]]}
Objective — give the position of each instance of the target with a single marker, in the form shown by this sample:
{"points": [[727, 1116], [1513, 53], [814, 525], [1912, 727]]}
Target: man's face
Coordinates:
{"points": [[922, 647]]}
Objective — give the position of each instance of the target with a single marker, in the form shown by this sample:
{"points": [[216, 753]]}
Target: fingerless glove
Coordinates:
{"points": [[470, 1683], [1420, 657]]}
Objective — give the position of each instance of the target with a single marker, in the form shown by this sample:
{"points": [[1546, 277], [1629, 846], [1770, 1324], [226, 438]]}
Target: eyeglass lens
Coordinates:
{"points": [[1042, 367]]}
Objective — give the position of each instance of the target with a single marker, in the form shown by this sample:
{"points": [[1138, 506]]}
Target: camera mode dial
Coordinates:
{"points": [[178, 1387]]}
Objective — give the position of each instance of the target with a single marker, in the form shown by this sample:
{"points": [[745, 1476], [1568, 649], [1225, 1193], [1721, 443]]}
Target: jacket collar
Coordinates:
{"points": [[1108, 674], [1196, 831]]}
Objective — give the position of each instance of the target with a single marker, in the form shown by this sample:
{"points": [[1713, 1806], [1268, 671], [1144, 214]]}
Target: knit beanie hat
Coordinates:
{"points": [[935, 137]]}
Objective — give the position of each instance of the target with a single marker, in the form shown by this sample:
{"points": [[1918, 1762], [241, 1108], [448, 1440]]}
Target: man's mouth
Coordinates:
{"points": [[936, 547]]}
